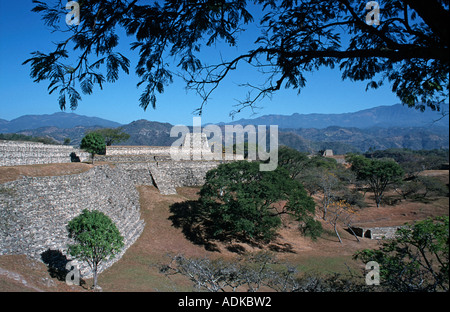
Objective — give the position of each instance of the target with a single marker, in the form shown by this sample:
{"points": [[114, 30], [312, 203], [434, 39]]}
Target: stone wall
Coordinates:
{"points": [[149, 165], [34, 212], [194, 147], [138, 150], [14, 153], [383, 232], [187, 173], [168, 175]]}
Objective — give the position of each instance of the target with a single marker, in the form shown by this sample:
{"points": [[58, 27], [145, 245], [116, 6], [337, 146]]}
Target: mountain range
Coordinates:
{"points": [[377, 128], [60, 120], [382, 116]]}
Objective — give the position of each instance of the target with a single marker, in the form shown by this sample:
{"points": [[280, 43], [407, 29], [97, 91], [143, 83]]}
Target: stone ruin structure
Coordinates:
{"points": [[14, 153], [34, 211], [379, 232], [328, 153]]}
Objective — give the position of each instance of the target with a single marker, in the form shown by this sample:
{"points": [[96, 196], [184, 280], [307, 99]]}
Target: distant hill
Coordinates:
{"points": [[75, 134], [142, 132], [381, 116], [344, 140], [60, 120], [377, 128], [150, 133], [340, 139]]}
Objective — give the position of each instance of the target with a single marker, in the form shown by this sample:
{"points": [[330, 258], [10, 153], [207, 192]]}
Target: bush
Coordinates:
{"points": [[433, 186]]}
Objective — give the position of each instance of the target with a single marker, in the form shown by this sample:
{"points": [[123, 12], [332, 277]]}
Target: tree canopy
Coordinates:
{"points": [[405, 43], [377, 173], [96, 238], [93, 143], [112, 135], [242, 202]]}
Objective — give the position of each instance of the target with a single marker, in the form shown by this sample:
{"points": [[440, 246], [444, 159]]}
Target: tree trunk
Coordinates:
{"points": [[354, 234], [378, 197], [378, 201], [324, 217], [335, 230], [95, 276]]}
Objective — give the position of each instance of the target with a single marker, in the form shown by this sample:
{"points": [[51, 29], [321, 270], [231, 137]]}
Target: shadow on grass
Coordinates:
{"points": [[189, 217], [57, 262]]}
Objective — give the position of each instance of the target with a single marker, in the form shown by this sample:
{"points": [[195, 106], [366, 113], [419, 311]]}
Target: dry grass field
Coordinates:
{"points": [[138, 270]]}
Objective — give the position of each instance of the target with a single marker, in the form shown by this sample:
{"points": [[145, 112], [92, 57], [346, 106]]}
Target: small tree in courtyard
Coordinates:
{"points": [[93, 143], [96, 238]]}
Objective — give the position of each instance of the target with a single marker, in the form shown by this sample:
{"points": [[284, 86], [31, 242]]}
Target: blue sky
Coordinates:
{"points": [[22, 32]]}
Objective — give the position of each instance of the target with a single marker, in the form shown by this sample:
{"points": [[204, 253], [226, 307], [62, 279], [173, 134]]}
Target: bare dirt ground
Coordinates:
{"points": [[13, 173], [138, 269]]}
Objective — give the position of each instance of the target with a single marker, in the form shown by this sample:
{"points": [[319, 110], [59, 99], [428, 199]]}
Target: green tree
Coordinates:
{"points": [[434, 186], [93, 143], [292, 160], [113, 135], [416, 259], [242, 202], [406, 44], [377, 173], [318, 173], [96, 238]]}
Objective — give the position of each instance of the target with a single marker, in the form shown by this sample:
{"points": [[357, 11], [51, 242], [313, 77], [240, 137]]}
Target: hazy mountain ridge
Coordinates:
{"points": [[61, 120], [381, 116], [149, 133], [343, 140], [340, 138]]}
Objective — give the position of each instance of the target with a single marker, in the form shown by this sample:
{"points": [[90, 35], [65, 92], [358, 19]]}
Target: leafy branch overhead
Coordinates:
{"points": [[408, 49]]}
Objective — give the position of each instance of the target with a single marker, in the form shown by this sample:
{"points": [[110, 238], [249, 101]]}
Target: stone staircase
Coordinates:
{"points": [[162, 181]]}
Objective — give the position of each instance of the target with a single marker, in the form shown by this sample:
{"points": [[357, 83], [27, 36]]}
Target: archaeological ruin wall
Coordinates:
{"points": [[167, 175], [34, 212], [381, 232], [15, 153]]}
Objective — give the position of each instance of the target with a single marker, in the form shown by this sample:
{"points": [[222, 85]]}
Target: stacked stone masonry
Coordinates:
{"points": [[34, 212], [168, 175], [14, 153], [384, 232]]}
